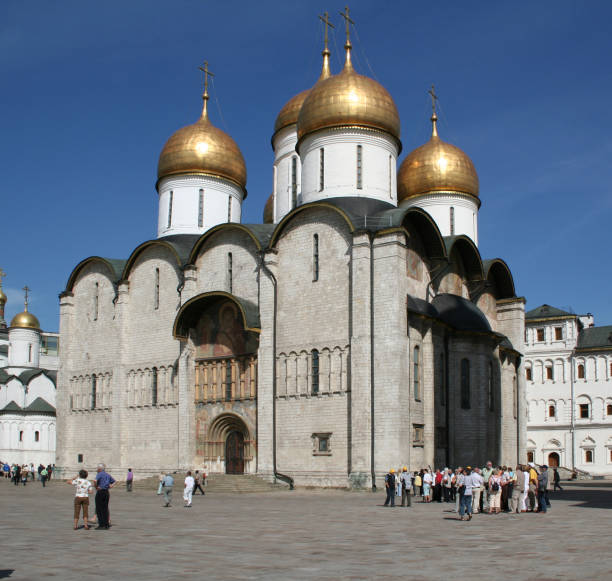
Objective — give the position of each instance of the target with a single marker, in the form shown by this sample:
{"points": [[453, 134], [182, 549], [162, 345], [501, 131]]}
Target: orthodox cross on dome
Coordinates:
{"points": [[2, 275], [325, 19], [434, 106], [26, 290], [348, 21], [205, 73]]}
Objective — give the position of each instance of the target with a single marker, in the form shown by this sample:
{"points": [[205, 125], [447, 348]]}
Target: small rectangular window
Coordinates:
{"points": [[96, 302], [321, 169], [390, 177], [584, 411], [294, 181], [549, 372], [322, 444], [588, 456], [80, 458], [228, 380], [37, 436], [452, 221], [418, 434], [230, 272], [416, 380], [201, 209], [154, 386], [359, 167], [551, 411], [156, 294], [558, 333], [229, 209], [315, 258], [528, 374], [315, 371], [540, 335], [170, 200]]}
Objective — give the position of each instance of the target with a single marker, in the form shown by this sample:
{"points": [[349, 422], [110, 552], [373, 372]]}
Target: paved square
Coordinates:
{"points": [[301, 535]]}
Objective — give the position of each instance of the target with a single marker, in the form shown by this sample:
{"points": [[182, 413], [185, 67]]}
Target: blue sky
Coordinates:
{"points": [[92, 90]]}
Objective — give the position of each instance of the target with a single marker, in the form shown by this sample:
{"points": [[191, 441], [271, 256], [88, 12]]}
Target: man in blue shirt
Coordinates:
{"points": [[104, 482]]}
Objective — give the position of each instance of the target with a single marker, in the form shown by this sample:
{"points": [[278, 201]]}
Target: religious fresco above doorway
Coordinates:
{"points": [[220, 332]]}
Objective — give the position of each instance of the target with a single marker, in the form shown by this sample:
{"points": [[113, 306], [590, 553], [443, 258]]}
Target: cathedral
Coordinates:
{"points": [[357, 329]]}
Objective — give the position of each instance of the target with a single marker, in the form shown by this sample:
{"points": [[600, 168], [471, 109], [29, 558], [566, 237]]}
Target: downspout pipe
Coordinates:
{"points": [[372, 391], [573, 416], [270, 274]]}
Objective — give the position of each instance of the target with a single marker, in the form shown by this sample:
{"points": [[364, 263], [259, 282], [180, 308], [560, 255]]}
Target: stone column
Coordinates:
{"points": [[118, 382], [428, 378], [186, 407], [62, 398]]}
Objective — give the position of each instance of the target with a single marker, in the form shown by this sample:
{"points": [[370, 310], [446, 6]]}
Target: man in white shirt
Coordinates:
{"points": [[406, 484], [477, 488], [188, 491]]}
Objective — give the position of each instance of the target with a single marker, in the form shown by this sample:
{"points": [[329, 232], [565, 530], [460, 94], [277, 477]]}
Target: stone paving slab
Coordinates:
{"points": [[301, 535]]}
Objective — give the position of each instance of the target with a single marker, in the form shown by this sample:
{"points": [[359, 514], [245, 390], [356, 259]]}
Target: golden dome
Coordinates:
{"points": [[202, 148], [289, 113], [268, 214], [348, 99], [25, 320], [436, 166]]}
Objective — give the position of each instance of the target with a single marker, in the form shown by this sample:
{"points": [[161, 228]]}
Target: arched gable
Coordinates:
{"points": [[497, 272], [257, 243], [419, 221], [469, 254], [112, 266], [280, 227], [144, 246]]}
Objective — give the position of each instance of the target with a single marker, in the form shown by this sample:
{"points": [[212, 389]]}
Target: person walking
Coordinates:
{"points": [[188, 489], [129, 480], [549, 486], [533, 488], [406, 482], [104, 482], [198, 483], [81, 499], [465, 493], [390, 487], [43, 476], [556, 480], [427, 486], [167, 484]]}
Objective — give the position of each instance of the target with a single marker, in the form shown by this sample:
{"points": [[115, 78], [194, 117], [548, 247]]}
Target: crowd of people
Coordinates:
{"points": [[492, 490], [22, 473]]}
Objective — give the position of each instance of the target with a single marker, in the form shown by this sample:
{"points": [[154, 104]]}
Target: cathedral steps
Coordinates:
{"points": [[223, 483]]}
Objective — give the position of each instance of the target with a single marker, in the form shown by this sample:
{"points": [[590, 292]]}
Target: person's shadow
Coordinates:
{"points": [[6, 573]]}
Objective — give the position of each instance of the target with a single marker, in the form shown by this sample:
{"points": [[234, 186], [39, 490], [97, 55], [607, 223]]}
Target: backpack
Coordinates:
{"points": [[495, 486]]}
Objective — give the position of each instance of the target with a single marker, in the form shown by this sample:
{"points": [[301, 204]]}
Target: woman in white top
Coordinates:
{"points": [[81, 499]]}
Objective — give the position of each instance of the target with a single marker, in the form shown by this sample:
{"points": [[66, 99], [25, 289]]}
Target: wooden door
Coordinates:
{"points": [[234, 453], [553, 460]]}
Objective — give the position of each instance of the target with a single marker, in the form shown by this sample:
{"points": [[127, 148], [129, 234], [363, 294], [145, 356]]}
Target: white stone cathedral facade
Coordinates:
{"points": [[356, 329]]}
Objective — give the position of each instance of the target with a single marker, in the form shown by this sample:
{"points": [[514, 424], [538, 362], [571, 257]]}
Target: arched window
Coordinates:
{"points": [[21, 436], [96, 302], [94, 389], [315, 258], [154, 386], [315, 371], [390, 177], [321, 169], [359, 167], [551, 411], [491, 388], [416, 380], [528, 374], [609, 410], [529, 456], [29, 352], [228, 379], [294, 181], [549, 372], [229, 209], [37, 436], [581, 371], [201, 209], [588, 456], [452, 221], [465, 384], [156, 293], [230, 272], [170, 200]]}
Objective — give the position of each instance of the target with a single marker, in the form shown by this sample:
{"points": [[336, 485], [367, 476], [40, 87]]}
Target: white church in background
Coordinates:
{"points": [[568, 370], [28, 370]]}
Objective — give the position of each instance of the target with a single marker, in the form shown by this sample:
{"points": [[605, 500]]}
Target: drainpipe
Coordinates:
{"points": [[271, 276], [372, 407], [573, 415]]}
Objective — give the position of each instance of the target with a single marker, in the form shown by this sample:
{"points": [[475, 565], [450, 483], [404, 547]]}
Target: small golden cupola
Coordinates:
{"points": [[441, 179], [25, 320], [436, 166], [199, 163]]}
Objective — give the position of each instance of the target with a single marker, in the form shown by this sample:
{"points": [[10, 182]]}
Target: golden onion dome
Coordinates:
{"points": [[268, 213], [436, 166], [348, 99], [202, 148], [289, 113], [25, 320]]}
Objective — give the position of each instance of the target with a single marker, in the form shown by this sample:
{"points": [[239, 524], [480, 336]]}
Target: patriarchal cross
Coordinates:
{"points": [[325, 19], [434, 98], [2, 275], [348, 20], [207, 74]]}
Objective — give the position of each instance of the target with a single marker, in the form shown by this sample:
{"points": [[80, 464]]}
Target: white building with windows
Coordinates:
{"points": [[568, 370], [28, 373], [352, 331]]}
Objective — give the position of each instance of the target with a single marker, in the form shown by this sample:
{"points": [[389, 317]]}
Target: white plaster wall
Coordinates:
{"points": [[24, 347], [27, 450], [379, 179], [284, 150], [186, 200], [438, 205]]}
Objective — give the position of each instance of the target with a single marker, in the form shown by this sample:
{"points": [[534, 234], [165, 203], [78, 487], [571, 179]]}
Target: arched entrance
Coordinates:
{"points": [[234, 453], [553, 460]]}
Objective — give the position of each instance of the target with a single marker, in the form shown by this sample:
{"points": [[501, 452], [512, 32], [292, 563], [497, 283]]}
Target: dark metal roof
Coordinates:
{"points": [[460, 313], [421, 307], [11, 407], [40, 406], [182, 243], [547, 312], [3, 349], [595, 337]]}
